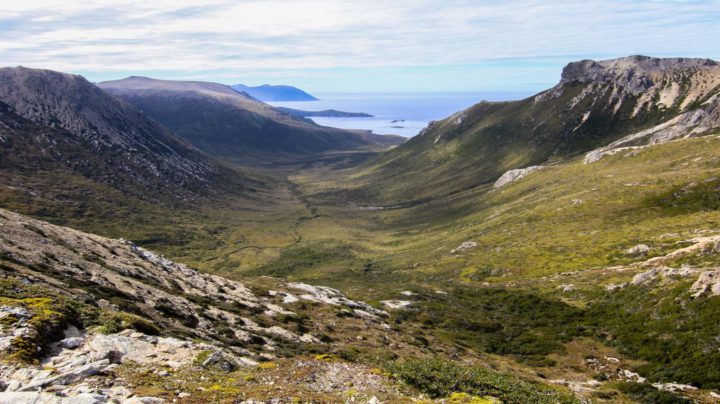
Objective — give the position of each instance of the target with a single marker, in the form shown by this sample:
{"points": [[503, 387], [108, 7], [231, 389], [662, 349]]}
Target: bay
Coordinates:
{"points": [[404, 114]]}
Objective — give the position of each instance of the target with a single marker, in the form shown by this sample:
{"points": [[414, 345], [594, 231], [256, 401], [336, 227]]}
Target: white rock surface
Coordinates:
{"points": [[514, 175], [640, 249], [663, 272], [324, 294], [396, 304], [466, 245], [707, 282]]}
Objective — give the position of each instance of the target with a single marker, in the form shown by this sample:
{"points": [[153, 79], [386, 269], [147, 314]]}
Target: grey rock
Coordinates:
{"points": [[85, 398], [34, 397], [143, 400], [68, 377], [640, 249], [71, 343], [218, 360], [73, 332]]}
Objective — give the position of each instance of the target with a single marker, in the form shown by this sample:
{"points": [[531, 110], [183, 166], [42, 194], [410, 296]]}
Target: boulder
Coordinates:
{"points": [[514, 175], [220, 361], [640, 249]]}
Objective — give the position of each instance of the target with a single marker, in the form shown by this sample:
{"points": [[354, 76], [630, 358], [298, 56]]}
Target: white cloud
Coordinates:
{"points": [[183, 36]]}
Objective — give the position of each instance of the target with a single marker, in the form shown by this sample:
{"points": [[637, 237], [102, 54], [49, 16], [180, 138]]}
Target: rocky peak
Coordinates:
{"points": [[632, 69]]}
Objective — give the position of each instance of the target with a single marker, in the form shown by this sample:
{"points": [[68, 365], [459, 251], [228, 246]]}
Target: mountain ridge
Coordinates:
{"points": [[593, 105], [148, 157], [229, 124]]}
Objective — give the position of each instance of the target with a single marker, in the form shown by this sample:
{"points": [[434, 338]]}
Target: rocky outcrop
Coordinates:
{"points": [[663, 272], [707, 283], [65, 369], [698, 122], [658, 269], [636, 74], [324, 294], [176, 297], [514, 175], [202, 321], [682, 92]]}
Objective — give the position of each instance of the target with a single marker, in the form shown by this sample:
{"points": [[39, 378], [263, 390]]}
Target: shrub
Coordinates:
{"points": [[112, 322], [440, 378], [646, 393]]}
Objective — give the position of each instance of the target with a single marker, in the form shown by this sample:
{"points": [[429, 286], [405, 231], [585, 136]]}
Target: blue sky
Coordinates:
{"points": [[350, 46]]}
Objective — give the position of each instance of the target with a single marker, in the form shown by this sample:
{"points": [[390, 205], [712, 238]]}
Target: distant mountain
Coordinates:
{"points": [[233, 125], [594, 105], [330, 113], [267, 92], [62, 123]]}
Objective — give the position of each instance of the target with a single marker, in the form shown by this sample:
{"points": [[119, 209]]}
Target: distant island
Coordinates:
{"points": [[327, 113], [267, 92]]}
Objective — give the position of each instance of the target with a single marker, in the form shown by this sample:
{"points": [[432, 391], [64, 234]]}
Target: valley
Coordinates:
{"points": [[592, 277]]}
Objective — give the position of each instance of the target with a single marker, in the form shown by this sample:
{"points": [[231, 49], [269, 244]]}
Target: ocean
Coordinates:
{"points": [[404, 114]]}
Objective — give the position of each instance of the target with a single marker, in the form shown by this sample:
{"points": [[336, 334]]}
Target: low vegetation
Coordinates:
{"points": [[440, 378]]}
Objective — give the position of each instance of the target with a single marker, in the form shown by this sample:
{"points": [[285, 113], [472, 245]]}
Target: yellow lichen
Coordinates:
{"points": [[267, 365], [325, 357]]}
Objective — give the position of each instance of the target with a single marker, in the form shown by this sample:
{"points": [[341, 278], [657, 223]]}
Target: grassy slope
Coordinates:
{"points": [[474, 147]]}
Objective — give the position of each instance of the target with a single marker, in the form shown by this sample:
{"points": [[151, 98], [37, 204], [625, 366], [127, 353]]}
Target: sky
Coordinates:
{"points": [[350, 46]]}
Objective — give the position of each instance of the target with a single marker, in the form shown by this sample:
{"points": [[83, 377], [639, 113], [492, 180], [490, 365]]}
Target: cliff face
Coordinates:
{"points": [[657, 83]]}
